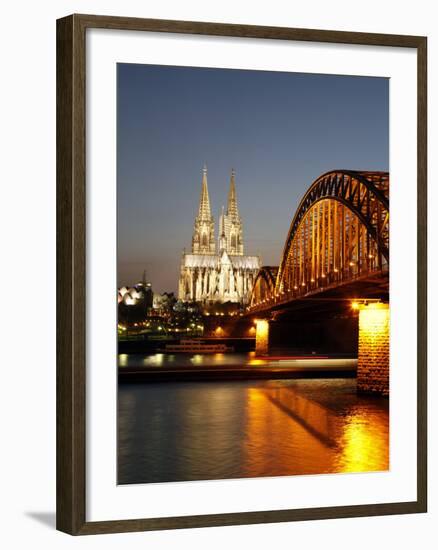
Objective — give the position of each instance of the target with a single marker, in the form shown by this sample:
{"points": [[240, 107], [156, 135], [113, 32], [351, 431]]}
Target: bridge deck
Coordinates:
{"points": [[369, 286]]}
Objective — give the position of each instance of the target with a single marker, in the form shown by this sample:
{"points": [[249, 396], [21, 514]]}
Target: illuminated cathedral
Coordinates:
{"points": [[217, 270]]}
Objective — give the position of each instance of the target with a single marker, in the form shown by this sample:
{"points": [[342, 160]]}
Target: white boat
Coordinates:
{"points": [[196, 346]]}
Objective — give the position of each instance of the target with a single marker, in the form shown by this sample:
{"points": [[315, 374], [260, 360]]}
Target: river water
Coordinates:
{"points": [[214, 430]]}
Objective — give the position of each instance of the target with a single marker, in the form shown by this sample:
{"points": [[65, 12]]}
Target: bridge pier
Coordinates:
{"points": [[373, 352], [368, 336], [262, 337]]}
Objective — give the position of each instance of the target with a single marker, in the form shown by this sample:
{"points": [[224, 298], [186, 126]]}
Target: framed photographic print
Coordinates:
{"points": [[241, 323]]}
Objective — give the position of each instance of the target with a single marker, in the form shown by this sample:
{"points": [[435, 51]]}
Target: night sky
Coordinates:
{"points": [[279, 131]]}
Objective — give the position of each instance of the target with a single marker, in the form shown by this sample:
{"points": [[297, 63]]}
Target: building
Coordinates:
{"points": [[141, 292], [162, 304], [217, 270], [135, 303]]}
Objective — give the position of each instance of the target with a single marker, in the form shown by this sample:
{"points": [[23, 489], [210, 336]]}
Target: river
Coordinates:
{"points": [[181, 431]]}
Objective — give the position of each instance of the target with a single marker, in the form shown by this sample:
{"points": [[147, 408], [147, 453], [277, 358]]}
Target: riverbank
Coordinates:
{"points": [[258, 369], [144, 345]]}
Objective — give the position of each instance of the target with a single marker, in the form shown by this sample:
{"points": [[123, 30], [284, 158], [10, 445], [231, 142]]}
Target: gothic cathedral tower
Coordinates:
{"points": [[230, 224], [207, 276], [203, 234]]}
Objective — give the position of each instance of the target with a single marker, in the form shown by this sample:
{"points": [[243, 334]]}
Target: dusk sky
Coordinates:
{"points": [[279, 131]]}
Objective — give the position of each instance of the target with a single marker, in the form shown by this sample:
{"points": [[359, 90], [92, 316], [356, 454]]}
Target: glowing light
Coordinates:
{"points": [[373, 354], [158, 359], [375, 310], [360, 447], [368, 304], [129, 301], [262, 336], [255, 362]]}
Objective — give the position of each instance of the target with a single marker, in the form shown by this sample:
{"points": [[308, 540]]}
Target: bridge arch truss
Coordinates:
{"points": [[264, 285], [339, 232]]}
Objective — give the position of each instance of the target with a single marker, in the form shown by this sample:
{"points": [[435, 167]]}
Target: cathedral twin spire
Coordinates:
{"points": [[204, 203], [232, 209], [203, 234], [216, 270], [230, 237]]}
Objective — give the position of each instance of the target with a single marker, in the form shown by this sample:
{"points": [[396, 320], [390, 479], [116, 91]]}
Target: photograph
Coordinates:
{"points": [[253, 305], [232, 351]]}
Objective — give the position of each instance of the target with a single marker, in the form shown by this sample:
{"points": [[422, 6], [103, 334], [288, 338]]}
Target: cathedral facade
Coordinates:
{"points": [[217, 270]]}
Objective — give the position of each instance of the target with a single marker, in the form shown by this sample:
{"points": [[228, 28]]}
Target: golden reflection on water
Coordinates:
{"points": [[364, 444], [255, 362], [298, 452], [314, 438], [178, 432]]}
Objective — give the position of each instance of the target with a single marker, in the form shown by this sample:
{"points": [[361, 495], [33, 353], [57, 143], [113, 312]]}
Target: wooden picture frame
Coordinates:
{"points": [[71, 271]]}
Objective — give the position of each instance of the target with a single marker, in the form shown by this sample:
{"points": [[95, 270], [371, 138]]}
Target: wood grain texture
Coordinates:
{"points": [[247, 31], [422, 275], [71, 269], [70, 387]]}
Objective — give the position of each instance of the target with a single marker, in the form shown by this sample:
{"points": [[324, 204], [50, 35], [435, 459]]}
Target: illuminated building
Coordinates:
{"points": [[140, 293], [219, 273]]}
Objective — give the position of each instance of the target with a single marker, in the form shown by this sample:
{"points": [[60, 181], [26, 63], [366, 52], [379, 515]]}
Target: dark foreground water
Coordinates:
{"points": [[214, 430]]}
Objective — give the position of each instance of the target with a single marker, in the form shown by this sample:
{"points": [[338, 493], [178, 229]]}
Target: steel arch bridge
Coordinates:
{"points": [[339, 233], [264, 284]]}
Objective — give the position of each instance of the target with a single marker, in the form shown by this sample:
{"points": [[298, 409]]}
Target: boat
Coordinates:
{"points": [[196, 346]]}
